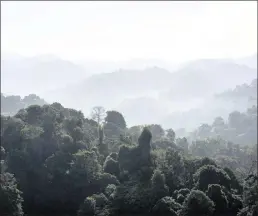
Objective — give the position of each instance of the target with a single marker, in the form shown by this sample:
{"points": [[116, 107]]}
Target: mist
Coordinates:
{"points": [[146, 68], [128, 108]]}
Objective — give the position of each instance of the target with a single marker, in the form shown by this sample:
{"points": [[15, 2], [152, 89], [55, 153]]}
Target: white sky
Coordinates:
{"points": [[174, 31]]}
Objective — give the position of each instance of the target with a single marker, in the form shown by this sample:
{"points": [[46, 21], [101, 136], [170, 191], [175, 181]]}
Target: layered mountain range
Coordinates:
{"points": [[154, 94]]}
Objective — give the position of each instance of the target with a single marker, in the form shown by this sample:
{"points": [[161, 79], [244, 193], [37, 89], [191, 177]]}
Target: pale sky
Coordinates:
{"points": [[114, 31]]}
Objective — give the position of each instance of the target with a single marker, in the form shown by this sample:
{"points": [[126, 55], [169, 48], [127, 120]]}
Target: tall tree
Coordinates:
{"points": [[98, 114]]}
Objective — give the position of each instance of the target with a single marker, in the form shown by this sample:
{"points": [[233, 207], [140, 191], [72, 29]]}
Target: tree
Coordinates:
{"points": [[115, 118], [10, 196], [160, 189], [52, 151], [210, 174], [115, 125], [135, 132], [250, 196], [197, 203], [111, 166], [11, 134], [98, 114], [11, 104], [218, 122], [101, 199], [85, 163], [173, 168], [166, 206], [235, 184], [219, 198], [88, 207], [137, 158], [33, 99], [181, 194], [204, 131], [109, 190], [183, 143], [236, 120], [34, 114], [156, 130], [171, 134]]}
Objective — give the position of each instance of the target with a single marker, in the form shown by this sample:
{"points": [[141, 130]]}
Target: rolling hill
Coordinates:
{"points": [[22, 75], [194, 81]]}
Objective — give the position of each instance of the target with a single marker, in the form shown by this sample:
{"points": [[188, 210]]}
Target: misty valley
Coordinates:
{"points": [[128, 108], [56, 161]]}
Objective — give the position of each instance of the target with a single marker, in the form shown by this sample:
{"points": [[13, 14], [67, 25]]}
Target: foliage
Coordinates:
{"points": [[250, 197], [171, 135], [197, 203], [111, 166], [160, 189], [210, 174], [62, 159], [134, 159], [216, 194], [98, 114], [114, 125], [10, 197], [101, 199], [110, 189], [166, 206], [183, 143], [156, 130], [88, 207]]}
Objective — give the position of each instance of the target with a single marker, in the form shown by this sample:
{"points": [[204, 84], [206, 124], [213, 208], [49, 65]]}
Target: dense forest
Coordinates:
{"points": [[54, 161]]}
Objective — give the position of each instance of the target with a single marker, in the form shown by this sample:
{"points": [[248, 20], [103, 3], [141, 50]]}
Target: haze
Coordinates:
{"points": [[171, 58], [173, 31], [128, 108]]}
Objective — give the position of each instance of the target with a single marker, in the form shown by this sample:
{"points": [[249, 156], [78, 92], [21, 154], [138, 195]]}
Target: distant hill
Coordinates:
{"points": [[197, 79], [250, 61], [205, 77], [239, 98], [244, 91], [10, 105], [110, 89], [141, 110], [157, 94], [20, 75]]}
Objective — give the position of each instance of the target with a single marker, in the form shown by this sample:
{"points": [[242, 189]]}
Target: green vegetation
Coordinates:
{"points": [[57, 162]]}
